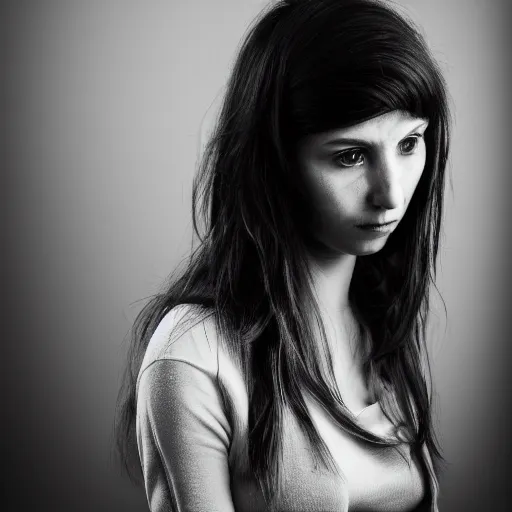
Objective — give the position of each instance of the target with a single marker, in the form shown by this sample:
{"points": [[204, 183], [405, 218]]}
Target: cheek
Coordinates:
{"points": [[333, 199], [413, 176]]}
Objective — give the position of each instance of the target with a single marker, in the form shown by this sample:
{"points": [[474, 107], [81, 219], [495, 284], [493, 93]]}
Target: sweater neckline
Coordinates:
{"points": [[356, 415]]}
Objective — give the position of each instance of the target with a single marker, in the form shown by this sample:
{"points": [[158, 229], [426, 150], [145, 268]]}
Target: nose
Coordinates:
{"points": [[385, 184]]}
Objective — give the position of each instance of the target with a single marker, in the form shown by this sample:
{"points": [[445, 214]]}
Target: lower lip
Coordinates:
{"points": [[378, 228]]}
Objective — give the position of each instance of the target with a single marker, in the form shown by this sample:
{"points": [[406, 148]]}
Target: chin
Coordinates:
{"points": [[366, 247], [353, 247], [367, 252]]}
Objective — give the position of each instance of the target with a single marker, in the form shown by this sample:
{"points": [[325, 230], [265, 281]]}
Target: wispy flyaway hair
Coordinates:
{"points": [[306, 67]]}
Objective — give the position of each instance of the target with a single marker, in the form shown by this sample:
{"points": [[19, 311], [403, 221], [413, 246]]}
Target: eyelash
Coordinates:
{"points": [[415, 137]]}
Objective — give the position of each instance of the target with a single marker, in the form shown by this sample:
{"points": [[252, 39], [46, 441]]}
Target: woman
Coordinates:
{"points": [[285, 369]]}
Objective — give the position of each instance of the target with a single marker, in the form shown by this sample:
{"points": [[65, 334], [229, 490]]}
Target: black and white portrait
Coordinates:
{"points": [[257, 255]]}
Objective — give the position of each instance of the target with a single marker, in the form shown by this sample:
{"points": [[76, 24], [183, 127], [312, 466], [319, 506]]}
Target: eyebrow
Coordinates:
{"points": [[361, 142]]}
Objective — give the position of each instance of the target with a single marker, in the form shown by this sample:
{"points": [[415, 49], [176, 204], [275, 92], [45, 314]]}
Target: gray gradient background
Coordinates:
{"points": [[104, 102]]}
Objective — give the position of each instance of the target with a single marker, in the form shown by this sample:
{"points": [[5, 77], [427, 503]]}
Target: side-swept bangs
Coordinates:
{"points": [[356, 62]]}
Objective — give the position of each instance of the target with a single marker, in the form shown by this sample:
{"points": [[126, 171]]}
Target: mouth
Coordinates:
{"points": [[383, 227]]}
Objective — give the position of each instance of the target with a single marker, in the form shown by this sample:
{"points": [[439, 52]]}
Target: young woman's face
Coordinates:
{"points": [[361, 179]]}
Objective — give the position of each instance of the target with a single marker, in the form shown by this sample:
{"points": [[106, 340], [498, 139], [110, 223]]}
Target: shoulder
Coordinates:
{"points": [[188, 363], [187, 334], [179, 408]]}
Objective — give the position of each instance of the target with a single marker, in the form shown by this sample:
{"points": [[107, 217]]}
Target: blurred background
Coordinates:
{"points": [[103, 106]]}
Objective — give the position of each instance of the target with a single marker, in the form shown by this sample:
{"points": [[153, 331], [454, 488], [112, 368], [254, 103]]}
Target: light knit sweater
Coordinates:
{"points": [[192, 426]]}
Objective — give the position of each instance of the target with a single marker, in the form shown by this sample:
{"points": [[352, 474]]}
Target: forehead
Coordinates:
{"points": [[389, 127]]}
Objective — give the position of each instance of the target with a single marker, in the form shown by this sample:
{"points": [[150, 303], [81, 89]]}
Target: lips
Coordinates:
{"points": [[377, 224]]}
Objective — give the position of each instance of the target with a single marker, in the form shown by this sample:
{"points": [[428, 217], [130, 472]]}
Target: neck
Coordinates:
{"points": [[331, 277]]}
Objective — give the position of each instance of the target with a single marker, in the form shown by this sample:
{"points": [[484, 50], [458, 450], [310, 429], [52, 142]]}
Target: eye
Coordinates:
{"points": [[408, 145], [350, 158]]}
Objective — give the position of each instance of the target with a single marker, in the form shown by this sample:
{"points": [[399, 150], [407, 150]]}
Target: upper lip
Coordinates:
{"points": [[377, 223]]}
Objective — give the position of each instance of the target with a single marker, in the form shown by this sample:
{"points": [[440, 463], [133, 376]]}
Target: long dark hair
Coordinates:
{"points": [[306, 67]]}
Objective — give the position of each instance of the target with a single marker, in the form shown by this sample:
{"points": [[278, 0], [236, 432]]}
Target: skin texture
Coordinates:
{"points": [[368, 180]]}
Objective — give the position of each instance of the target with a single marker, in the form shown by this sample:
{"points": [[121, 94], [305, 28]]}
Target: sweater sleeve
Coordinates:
{"points": [[183, 437]]}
